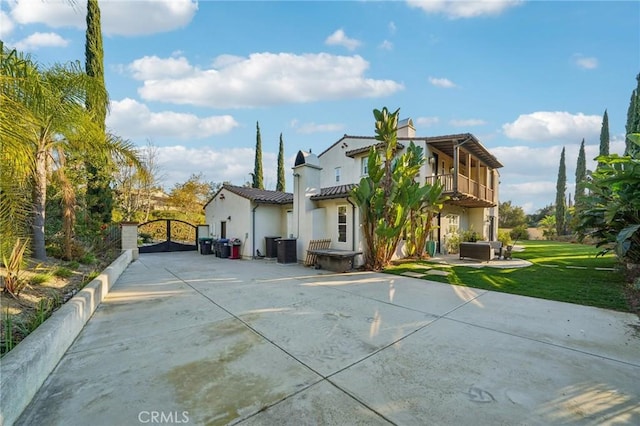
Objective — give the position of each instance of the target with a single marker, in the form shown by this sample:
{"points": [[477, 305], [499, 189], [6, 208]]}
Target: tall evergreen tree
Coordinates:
{"points": [[281, 185], [99, 194], [633, 119], [561, 188], [604, 135], [258, 181], [581, 174]]}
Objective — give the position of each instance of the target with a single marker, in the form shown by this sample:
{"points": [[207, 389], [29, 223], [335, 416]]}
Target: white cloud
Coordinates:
{"points": [[38, 40], [6, 25], [130, 17], [339, 38], [154, 68], [464, 9], [268, 79], [468, 123], [386, 45], [584, 62], [445, 83], [553, 125], [178, 163], [308, 128], [131, 119], [392, 27], [427, 121], [226, 60]]}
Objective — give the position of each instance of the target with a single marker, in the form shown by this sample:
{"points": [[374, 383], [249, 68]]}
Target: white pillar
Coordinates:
{"points": [[129, 238]]}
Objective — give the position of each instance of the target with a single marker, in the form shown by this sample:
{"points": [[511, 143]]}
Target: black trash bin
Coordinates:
{"points": [[271, 247], [225, 248], [206, 245]]}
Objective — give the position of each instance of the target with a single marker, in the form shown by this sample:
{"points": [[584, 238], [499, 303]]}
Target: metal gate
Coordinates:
{"points": [[162, 235]]}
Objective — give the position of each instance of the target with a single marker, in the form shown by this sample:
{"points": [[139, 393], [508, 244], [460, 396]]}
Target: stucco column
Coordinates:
{"points": [[129, 238]]}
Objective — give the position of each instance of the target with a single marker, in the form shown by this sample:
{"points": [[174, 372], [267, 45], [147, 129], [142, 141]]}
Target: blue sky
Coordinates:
{"points": [[525, 77]]}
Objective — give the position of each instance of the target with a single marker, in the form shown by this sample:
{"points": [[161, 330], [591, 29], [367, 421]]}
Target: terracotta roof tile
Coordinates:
{"points": [[357, 151], [340, 191], [262, 196]]}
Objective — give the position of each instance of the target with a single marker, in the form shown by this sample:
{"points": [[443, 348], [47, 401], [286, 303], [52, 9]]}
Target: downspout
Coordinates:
{"points": [[253, 231], [297, 194], [353, 225]]}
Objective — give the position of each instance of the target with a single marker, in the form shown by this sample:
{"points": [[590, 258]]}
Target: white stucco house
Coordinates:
{"points": [[320, 206], [250, 215]]}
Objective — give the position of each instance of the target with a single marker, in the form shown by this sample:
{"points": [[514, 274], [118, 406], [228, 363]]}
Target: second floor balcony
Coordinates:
{"points": [[465, 192], [472, 179]]}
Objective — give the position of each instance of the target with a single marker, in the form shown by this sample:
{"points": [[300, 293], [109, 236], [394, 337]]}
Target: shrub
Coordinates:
{"points": [[145, 238], [74, 264], [452, 243], [470, 235], [519, 233], [505, 238], [88, 259], [13, 282], [63, 272], [89, 277], [39, 278]]}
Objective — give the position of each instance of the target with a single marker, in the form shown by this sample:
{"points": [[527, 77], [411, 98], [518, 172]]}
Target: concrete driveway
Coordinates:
{"points": [[189, 339]]}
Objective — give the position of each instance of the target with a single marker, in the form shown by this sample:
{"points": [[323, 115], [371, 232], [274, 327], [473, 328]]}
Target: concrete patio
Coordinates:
{"points": [[193, 339]]}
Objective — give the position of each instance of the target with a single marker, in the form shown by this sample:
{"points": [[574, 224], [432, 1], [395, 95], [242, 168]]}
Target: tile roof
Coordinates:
{"points": [[340, 191], [352, 153], [262, 196]]}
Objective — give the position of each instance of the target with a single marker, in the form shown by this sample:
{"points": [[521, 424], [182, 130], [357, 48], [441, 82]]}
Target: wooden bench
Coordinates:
{"points": [[480, 251], [334, 260]]}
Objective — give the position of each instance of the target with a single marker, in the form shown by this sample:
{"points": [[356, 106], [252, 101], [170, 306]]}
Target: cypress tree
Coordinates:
{"points": [[633, 118], [604, 135], [99, 194], [258, 181], [581, 174], [561, 188], [280, 186]]}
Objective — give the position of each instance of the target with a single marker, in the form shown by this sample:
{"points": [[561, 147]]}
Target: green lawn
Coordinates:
{"points": [[592, 287]]}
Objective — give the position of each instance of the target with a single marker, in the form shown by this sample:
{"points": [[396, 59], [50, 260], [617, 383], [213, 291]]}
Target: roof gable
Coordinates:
{"points": [[260, 196]]}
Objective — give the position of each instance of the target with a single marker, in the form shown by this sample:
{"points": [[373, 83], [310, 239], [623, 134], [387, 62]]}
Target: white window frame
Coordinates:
{"points": [[342, 214], [338, 173], [453, 226], [364, 166]]}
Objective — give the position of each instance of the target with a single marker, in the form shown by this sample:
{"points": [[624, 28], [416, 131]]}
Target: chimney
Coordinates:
{"points": [[406, 129]]}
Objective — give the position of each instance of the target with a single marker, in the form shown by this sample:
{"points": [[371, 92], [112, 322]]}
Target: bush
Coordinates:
{"points": [[88, 259], [505, 238], [63, 272], [145, 237], [519, 233], [39, 278], [470, 236], [452, 243]]}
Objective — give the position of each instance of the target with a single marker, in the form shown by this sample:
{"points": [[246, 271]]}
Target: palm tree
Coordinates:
{"points": [[56, 124], [17, 74]]}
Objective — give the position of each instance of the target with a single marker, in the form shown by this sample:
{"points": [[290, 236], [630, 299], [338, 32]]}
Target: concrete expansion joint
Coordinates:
{"points": [[556, 345]]}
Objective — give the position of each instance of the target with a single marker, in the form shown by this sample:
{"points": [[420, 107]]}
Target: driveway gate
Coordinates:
{"points": [[162, 235]]}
